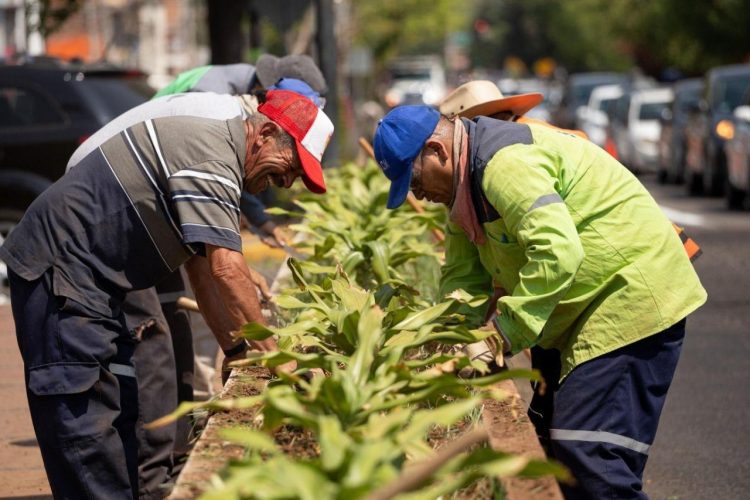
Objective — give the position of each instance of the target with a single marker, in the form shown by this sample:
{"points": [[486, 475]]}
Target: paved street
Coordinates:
{"points": [[700, 449], [703, 437]]}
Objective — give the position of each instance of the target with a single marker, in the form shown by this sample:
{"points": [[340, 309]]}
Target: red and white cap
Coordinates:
{"points": [[308, 125]]}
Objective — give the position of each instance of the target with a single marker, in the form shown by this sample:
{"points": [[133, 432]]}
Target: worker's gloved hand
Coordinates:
{"points": [[273, 235]]}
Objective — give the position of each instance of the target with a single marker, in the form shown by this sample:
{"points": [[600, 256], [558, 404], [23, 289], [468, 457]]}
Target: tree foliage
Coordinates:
{"points": [[408, 27], [51, 14], [615, 34]]}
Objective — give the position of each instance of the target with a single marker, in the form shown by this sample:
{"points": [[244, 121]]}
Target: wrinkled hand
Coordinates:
{"points": [[273, 236], [261, 283], [287, 368]]}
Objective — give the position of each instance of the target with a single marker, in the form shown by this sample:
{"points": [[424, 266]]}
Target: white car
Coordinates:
{"points": [[593, 118], [644, 128], [416, 80]]}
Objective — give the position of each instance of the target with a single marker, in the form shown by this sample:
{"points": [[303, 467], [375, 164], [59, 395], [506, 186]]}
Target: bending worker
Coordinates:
{"points": [[162, 188], [592, 267]]}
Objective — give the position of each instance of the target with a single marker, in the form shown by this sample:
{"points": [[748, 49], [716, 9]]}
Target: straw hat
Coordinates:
{"points": [[483, 98]]}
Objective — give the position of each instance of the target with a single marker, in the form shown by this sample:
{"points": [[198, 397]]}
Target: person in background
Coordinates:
{"points": [[593, 270]]}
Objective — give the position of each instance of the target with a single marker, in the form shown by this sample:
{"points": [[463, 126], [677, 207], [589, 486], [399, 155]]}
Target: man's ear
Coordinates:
{"points": [[438, 147], [268, 130]]}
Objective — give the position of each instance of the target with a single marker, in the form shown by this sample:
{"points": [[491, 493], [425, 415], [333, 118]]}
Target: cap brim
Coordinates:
{"points": [[399, 189], [313, 171], [517, 104]]}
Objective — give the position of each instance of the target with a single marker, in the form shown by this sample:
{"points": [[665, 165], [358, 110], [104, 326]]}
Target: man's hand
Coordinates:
{"points": [[273, 236], [261, 283]]}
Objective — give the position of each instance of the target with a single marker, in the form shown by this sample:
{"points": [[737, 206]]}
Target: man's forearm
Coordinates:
{"points": [[210, 302], [236, 291]]}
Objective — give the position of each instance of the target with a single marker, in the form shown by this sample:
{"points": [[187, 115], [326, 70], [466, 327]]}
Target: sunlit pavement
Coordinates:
{"points": [[703, 439], [21, 469]]}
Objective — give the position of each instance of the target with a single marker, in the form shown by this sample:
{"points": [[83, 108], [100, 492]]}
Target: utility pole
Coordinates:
{"points": [[327, 58]]}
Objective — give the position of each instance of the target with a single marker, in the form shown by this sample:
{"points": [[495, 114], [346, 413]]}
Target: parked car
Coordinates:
{"points": [[710, 124], [737, 150], [646, 107], [46, 111], [673, 120], [593, 118], [617, 141], [512, 86], [416, 80], [578, 91]]}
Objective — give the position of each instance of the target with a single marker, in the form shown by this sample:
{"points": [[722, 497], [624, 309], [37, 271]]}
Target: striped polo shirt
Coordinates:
{"points": [[151, 193]]}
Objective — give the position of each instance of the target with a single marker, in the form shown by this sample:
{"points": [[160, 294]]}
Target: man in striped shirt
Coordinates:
{"points": [[161, 188]]}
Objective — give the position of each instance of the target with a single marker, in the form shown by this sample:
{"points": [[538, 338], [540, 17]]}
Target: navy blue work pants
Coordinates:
{"points": [[82, 392], [601, 421]]}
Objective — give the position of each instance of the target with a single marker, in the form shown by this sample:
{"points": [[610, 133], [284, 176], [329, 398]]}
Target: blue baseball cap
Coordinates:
{"points": [[399, 138], [300, 87]]}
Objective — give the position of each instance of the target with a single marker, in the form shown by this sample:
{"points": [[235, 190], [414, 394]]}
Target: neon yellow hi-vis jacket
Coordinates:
{"points": [[589, 260]]}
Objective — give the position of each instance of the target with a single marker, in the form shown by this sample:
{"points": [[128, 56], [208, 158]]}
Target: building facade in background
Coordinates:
{"points": [[161, 38]]}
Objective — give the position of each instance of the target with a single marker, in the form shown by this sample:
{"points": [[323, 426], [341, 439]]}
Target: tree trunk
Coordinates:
{"points": [[225, 30]]}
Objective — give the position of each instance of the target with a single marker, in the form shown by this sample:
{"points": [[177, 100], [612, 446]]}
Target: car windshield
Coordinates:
{"points": [[582, 92], [606, 104], [414, 74], [114, 96], [730, 91], [651, 110], [685, 100]]}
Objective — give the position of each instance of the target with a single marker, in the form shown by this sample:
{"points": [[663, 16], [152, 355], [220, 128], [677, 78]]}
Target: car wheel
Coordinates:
{"points": [[677, 175], [713, 180], [735, 197], [693, 183], [662, 176]]}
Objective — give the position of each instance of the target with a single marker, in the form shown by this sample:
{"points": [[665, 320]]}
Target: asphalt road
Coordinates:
{"points": [[703, 439]]}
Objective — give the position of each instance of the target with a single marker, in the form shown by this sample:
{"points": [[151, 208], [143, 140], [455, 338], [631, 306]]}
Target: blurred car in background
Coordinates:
{"points": [[618, 139], [512, 86], [737, 150], [577, 92], [687, 94], [416, 80], [644, 129], [593, 118], [710, 125], [47, 109]]}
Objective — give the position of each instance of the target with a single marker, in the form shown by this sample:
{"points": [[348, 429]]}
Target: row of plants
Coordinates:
{"points": [[387, 350]]}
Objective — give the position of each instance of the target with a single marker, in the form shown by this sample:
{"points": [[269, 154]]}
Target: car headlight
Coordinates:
{"points": [[725, 129]]}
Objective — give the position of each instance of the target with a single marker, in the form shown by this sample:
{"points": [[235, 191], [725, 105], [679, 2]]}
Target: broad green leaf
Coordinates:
{"points": [[252, 439], [380, 260], [334, 443], [351, 261], [351, 297], [418, 319], [444, 416], [256, 331], [369, 331]]}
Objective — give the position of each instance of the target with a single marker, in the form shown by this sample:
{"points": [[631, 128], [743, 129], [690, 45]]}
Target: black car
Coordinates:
{"points": [[47, 110], [577, 92], [672, 145], [710, 125]]}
